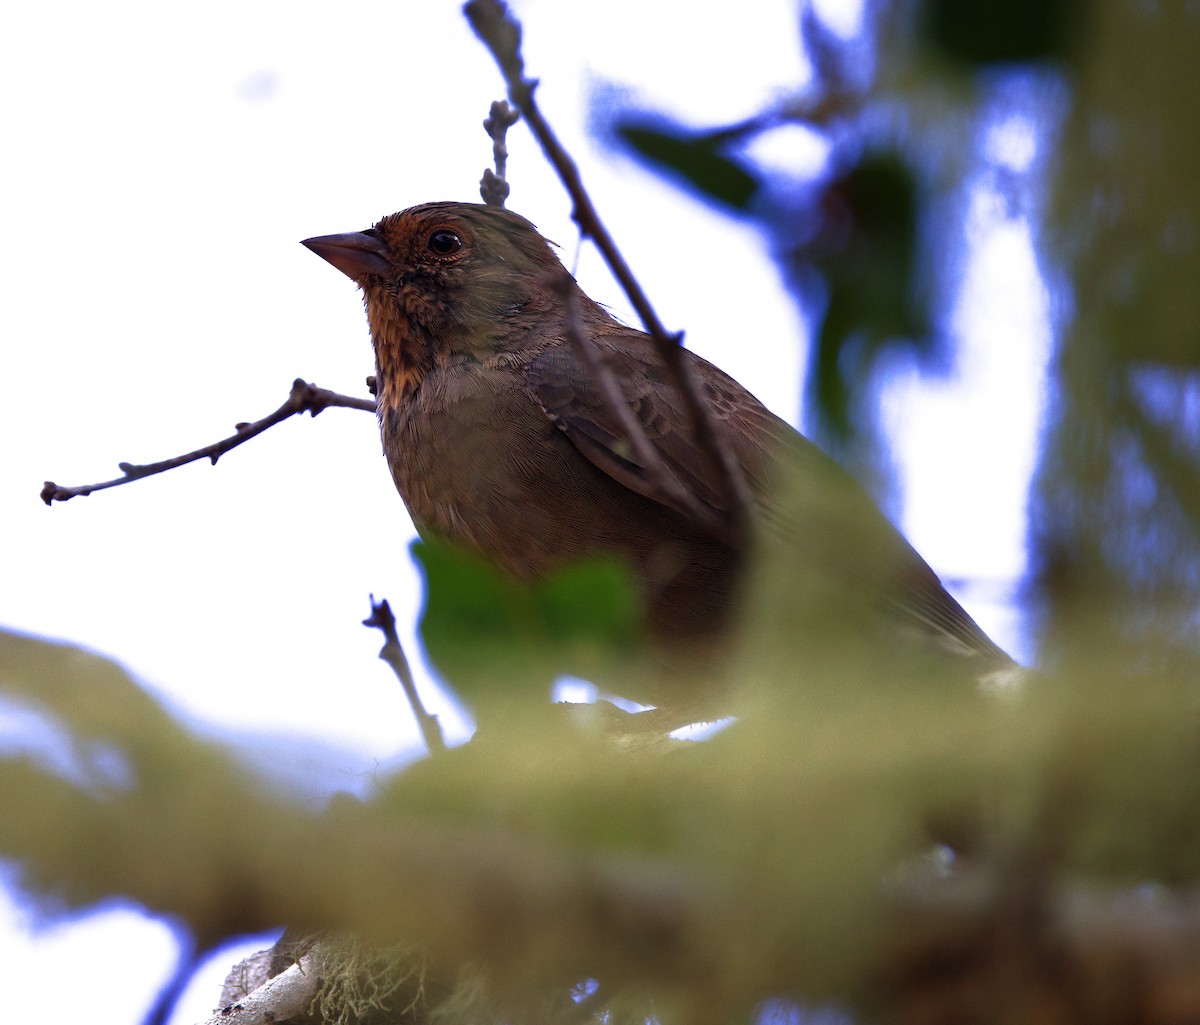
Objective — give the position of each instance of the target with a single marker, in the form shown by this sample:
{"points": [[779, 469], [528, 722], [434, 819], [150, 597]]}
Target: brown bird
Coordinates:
{"points": [[499, 438]]}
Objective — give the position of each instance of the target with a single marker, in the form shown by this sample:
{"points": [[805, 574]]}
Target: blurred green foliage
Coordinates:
{"points": [[1118, 521], [984, 32], [479, 626], [695, 159], [865, 248], [721, 873], [1116, 532]]}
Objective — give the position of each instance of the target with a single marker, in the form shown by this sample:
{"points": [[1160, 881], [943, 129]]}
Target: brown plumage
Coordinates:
{"points": [[498, 438]]}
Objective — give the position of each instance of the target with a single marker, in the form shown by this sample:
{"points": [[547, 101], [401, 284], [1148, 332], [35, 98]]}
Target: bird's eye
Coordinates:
{"points": [[444, 242]]}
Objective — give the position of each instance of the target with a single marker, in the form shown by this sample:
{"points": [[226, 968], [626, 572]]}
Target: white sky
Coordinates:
{"points": [[164, 161]]}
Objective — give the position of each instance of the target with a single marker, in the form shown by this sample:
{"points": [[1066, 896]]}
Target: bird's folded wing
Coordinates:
{"points": [[831, 516], [572, 399]]}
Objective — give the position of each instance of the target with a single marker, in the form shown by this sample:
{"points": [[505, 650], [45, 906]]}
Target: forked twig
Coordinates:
{"points": [[393, 654], [304, 398]]}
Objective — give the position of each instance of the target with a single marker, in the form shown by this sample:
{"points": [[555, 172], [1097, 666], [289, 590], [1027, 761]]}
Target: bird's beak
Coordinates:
{"points": [[356, 254]]}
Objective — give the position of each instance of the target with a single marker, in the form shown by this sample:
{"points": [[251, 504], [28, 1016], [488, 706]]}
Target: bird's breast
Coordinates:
{"points": [[478, 464]]}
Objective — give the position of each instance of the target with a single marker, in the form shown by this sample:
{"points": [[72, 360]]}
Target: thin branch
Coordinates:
{"points": [[304, 398], [501, 33], [393, 654], [665, 484], [186, 965], [493, 186]]}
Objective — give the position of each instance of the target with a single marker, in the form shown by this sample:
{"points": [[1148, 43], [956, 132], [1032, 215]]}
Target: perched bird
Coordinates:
{"points": [[499, 437]]}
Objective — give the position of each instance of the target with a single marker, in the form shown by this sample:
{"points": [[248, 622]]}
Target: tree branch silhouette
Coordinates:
{"points": [[501, 33], [392, 653]]}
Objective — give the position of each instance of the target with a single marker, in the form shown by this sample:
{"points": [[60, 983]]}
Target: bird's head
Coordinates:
{"points": [[438, 278]]}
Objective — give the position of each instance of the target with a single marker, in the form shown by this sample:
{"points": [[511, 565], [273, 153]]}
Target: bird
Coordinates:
{"points": [[501, 440]]}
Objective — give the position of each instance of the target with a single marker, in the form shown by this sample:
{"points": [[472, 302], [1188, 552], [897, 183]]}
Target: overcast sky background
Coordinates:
{"points": [[164, 161]]}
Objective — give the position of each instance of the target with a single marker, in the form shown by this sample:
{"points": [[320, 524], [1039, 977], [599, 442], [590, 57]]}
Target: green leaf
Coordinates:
{"points": [[592, 602], [866, 249], [986, 32], [493, 638], [696, 159]]}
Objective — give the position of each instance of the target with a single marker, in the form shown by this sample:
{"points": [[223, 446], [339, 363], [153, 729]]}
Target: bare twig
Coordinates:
{"points": [[501, 33], [187, 963], [393, 654], [665, 484], [493, 186], [304, 398]]}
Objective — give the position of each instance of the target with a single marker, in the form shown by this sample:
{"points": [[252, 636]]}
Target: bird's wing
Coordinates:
{"points": [[570, 396], [832, 511]]}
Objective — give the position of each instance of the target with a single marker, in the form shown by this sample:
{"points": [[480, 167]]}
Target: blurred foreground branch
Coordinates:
{"points": [[961, 948], [703, 880]]}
